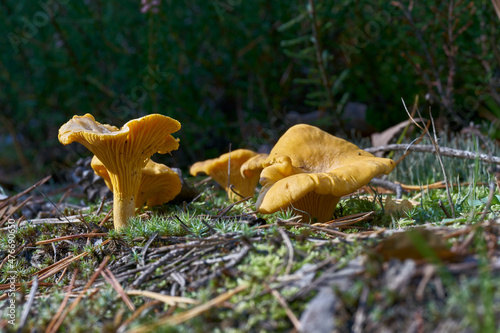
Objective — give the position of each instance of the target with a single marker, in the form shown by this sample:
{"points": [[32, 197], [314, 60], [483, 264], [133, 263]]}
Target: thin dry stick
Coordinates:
{"points": [[101, 206], [62, 275], [305, 225], [432, 186], [289, 246], [12, 211], [61, 313], [136, 314], [111, 279], [152, 267], [10, 255], [63, 197], [229, 168], [443, 208], [429, 271], [13, 198], [47, 241], [440, 159], [488, 203], [231, 187], [444, 151], [54, 265], [52, 203], [295, 321], [346, 220], [360, 315], [142, 258], [189, 314], [89, 283], [414, 142], [63, 263], [29, 303], [106, 218], [54, 221], [225, 210], [60, 265], [170, 300]]}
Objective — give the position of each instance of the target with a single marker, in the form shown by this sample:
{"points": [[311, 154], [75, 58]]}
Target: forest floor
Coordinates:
{"points": [[426, 262]]}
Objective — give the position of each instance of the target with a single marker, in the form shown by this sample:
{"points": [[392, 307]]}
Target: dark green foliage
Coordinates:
{"points": [[229, 71]]}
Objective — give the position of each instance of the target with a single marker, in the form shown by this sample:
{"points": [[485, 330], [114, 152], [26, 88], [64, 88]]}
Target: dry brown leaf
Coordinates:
{"points": [[384, 138], [415, 244]]}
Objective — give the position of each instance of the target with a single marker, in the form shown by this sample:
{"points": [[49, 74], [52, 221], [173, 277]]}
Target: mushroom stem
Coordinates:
{"points": [[124, 195], [123, 209], [320, 207]]}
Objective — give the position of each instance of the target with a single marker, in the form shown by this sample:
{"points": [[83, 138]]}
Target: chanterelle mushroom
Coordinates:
{"points": [[309, 170], [217, 168], [159, 183], [124, 152], [253, 166]]}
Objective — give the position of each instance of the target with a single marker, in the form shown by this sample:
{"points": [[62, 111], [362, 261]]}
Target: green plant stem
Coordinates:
{"points": [[318, 51]]}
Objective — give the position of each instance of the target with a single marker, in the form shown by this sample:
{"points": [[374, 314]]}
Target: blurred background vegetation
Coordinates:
{"points": [[237, 72]]}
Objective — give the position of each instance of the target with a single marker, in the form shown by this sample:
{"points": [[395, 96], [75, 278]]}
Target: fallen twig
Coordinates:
{"points": [[345, 221], [111, 279], [395, 187], [150, 269], [136, 314], [47, 241], [89, 282], [186, 315], [29, 303], [145, 248], [304, 225], [68, 219], [57, 320], [295, 321], [289, 246], [170, 300], [233, 259], [444, 151]]}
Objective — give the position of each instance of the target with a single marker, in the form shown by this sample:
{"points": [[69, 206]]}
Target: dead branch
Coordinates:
{"points": [[444, 151]]}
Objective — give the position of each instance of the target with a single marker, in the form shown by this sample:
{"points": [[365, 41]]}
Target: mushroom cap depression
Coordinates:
{"points": [[310, 170], [159, 183], [124, 152], [217, 168]]}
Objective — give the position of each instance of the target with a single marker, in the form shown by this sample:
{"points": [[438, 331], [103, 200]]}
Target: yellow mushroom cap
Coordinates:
{"points": [[136, 141], [124, 152], [159, 183], [253, 166], [309, 169], [217, 168], [101, 171]]}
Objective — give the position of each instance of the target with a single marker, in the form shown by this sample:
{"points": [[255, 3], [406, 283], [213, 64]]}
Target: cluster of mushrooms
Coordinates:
{"points": [[308, 170]]}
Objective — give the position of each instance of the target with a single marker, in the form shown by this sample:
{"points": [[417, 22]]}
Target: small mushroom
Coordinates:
{"points": [[124, 152], [159, 183], [309, 170], [217, 168]]}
